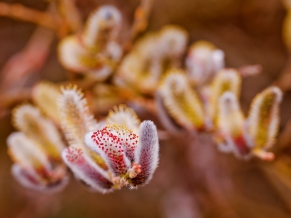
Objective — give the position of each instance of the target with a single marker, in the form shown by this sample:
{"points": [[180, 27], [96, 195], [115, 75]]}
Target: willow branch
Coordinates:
{"points": [[140, 22], [20, 12]]}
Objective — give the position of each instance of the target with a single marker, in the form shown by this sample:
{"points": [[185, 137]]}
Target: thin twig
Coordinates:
{"points": [[140, 22], [20, 12], [250, 70], [27, 61]]}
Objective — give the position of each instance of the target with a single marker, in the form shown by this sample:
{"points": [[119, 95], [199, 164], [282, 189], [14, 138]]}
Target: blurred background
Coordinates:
{"points": [[193, 179]]}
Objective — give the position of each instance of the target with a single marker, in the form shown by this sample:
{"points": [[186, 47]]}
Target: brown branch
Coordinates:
{"points": [[140, 21], [27, 61], [71, 15], [20, 12], [141, 17], [250, 70]]}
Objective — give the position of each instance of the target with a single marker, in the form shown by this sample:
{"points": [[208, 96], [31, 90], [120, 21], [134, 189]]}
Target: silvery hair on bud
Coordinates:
{"points": [[146, 153]]}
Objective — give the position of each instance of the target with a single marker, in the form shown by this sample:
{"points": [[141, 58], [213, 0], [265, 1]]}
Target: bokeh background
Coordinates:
{"points": [[193, 178]]}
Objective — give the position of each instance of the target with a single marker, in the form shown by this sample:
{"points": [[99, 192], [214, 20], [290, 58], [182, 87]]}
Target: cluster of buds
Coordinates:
{"points": [[95, 51], [214, 108], [252, 135], [150, 57], [122, 150], [36, 150], [117, 152], [105, 156]]}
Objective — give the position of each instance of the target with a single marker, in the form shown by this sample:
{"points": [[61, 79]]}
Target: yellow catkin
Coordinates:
{"points": [[227, 80], [124, 116], [181, 101], [45, 96], [30, 121], [230, 118], [264, 117], [76, 120]]}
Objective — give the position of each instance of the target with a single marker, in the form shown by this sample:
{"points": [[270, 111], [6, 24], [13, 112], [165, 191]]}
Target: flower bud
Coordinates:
{"points": [[203, 61], [41, 130], [146, 154], [86, 170], [263, 119], [181, 101]]}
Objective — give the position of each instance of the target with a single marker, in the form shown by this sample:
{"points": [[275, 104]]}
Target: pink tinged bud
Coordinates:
{"points": [[76, 119], [230, 123], [33, 168], [146, 154], [116, 145], [263, 120], [31, 180], [226, 80], [27, 178], [86, 170]]}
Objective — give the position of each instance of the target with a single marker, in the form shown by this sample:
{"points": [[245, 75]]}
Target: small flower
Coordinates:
{"points": [[181, 101], [203, 61]]}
